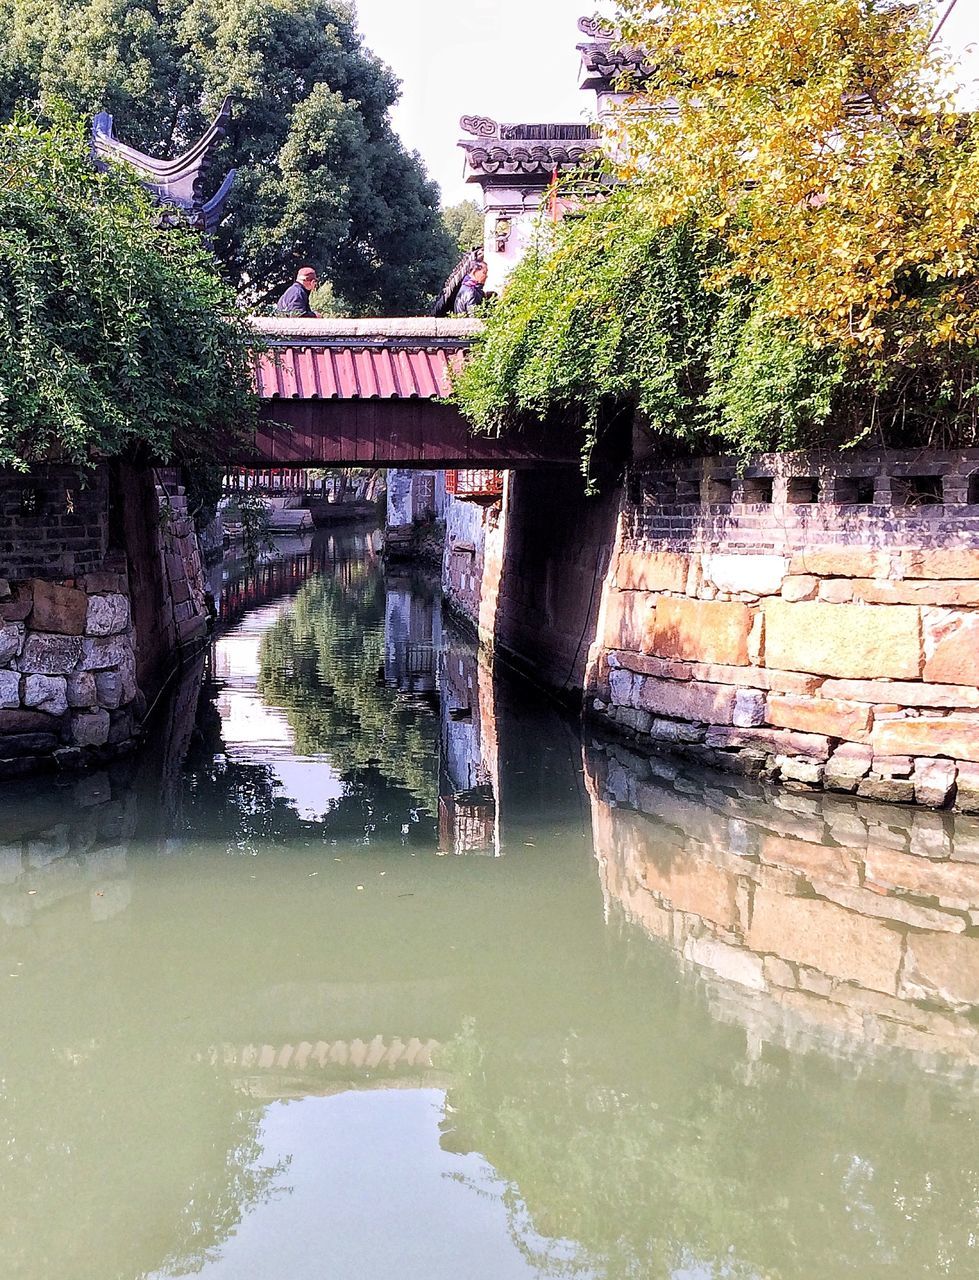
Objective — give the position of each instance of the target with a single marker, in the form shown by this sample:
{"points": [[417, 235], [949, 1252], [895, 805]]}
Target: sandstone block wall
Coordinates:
{"points": [[815, 619]]}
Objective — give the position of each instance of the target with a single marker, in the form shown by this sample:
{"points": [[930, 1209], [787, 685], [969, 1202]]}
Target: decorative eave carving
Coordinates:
{"points": [[596, 29], [526, 159], [176, 182], [607, 65]]}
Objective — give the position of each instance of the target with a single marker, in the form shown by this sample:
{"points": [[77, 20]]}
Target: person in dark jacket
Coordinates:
{"points": [[295, 300], [472, 291]]}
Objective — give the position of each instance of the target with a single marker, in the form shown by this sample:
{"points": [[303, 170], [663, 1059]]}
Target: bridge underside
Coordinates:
{"points": [[407, 433]]}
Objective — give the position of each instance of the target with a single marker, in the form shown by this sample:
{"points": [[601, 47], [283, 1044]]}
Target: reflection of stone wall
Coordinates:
{"points": [[816, 918], [814, 618]]}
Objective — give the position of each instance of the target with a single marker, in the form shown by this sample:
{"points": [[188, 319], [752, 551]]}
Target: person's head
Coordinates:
{"points": [[480, 273], [306, 276]]}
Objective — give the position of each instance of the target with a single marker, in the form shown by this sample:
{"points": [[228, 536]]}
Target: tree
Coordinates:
{"points": [[322, 177], [115, 335], [464, 223]]}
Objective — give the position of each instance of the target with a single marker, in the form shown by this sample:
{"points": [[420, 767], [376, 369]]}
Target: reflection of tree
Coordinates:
{"points": [[323, 664], [654, 1157]]}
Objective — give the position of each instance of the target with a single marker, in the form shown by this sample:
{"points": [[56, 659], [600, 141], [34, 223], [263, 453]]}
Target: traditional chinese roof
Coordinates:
{"points": [[607, 65], [178, 182], [525, 151]]}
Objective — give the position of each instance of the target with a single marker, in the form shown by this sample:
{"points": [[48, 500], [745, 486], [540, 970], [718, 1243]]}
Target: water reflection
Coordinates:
{"points": [[257, 1026]]}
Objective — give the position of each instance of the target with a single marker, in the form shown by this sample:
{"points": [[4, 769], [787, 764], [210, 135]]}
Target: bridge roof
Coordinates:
{"points": [[381, 359]]}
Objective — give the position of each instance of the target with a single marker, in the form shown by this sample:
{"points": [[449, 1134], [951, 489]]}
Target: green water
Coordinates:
{"points": [[371, 966]]}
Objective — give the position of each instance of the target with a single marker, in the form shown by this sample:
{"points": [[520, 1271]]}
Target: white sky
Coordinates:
{"points": [[512, 60]]}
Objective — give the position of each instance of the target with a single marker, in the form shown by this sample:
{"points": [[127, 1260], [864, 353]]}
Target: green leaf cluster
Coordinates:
{"points": [[115, 335], [322, 178]]}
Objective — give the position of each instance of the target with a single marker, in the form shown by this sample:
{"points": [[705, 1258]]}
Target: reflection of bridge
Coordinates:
{"points": [[370, 393], [273, 579]]}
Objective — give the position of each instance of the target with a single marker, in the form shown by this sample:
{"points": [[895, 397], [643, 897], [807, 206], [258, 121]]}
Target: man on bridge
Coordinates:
{"points": [[295, 300]]}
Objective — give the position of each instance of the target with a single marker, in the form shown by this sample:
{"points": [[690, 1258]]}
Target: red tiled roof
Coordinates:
{"points": [[355, 373]]}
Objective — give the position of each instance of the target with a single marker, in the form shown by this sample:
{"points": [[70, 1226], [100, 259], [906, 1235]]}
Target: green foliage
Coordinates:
{"points": [[322, 177], [114, 334], [464, 223]]}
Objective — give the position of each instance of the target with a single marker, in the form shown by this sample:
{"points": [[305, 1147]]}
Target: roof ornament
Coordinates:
{"points": [[596, 29], [175, 183], [480, 126]]}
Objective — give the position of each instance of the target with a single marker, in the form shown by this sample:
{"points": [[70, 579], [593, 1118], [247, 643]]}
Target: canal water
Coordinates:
{"points": [[372, 965]]}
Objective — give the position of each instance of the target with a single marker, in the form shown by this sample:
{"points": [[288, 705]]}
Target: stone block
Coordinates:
{"points": [[842, 562], [674, 731], [24, 721], [778, 973], [756, 677], [800, 769], [813, 861], [749, 708], [109, 687], [836, 590], [638, 721], [826, 937], [934, 782], [652, 571], [891, 790], [942, 969], [20, 745], [775, 741], [953, 883], [885, 907], [623, 688], [104, 653], [923, 593], [902, 693], [686, 700], [46, 693], [60, 610], [693, 885], [851, 641], [107, 615], [11, 640], [948, 563], [703, 630], [19, 605], [90, 728], [9, 689], [951, 644], [644, 665], [120, 728], [82, 690], [893, 766], [751, 574], [50, 655], [846, 766], [733, 964], [802, 586], [828, 716], [103, 583], [949, 736], [967, 787]]}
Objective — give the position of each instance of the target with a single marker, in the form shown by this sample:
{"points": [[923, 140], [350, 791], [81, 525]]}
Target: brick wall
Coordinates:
{"points": [[811, 617], [54, 522]]}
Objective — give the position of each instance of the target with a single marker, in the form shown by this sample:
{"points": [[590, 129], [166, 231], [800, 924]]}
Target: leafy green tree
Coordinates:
{"points": [[114, 334], [464, 223], [322, 177]]}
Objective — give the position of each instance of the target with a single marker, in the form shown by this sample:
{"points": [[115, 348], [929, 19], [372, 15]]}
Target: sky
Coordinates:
{"points": [[512, 60]]}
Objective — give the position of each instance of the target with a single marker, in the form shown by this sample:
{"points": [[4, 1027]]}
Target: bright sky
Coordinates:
{"points": [[511, 60]]}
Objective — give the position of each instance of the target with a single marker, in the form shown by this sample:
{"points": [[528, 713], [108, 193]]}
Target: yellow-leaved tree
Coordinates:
{"points": [[820, 141]]}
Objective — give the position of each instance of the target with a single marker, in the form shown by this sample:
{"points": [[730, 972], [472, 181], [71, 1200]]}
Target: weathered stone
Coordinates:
{"points": [[951, 645], [749, 708], [644, 665], [846, 766], [82, 690], [46, 693], [820, 984], [931, 833], [50, 655], [5, 591], [652, 571], [57, 609], [120, 728], [923, 593], [934, 782], [828, 938], [954, 883], [101, 654], [893, 766], [776, 741], [841, 562], [622, 685], [107, 615], [828, 716], [19, 745], [25, 721], [836, 591], [9, 689], [694, 885], [103, 583], [21, 602], [940, 564], [11, 640], [814, 861], [900, 693], [733, 964], [755, 677], [703, 630], [675, 731], [949, 736], [627, 619], [690, 700], [638, 721], [967, 787], [752, 574], [109, 687], [893, 790], [778, 973], [800, 769], [942, 969], [885, 907], [90, 728], [801, 587], [854, 641]]}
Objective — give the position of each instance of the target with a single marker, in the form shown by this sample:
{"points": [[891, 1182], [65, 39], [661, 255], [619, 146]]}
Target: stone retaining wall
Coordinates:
{"points": [[812, 619]]}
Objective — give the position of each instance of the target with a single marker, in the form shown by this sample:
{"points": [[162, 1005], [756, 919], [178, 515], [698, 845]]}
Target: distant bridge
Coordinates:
{"points": [[370, 393]]}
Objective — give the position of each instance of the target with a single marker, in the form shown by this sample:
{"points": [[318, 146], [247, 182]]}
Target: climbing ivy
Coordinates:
{"points": [[115, 335]]}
